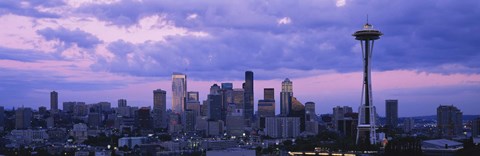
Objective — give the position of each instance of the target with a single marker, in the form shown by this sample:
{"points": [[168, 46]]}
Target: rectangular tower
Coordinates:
{"points": [[54, 101], [391, 113], [179, 92], [248, 87]]}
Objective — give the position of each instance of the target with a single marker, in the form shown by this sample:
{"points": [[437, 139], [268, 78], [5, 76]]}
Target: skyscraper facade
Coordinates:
{"points": [[214, 107], [193, 102], [449, 121], [266, 108], [286, 97], [53, 101], [476, 127], [239, 98], [122, 103], [391, 113], [310, 111], [248, 87], [269, 94], [23, 118], [159, 108], [179, 92]]}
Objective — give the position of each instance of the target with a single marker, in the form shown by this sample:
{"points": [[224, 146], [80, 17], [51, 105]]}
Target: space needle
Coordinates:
{"points": [[366, 122]]}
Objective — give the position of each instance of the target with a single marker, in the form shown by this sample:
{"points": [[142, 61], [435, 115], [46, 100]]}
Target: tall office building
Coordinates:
{"points": [[476, 127], [366, 130], [23, 118], [310, 111], [227, 85], [2, 118], [144, 120], [248, 88], [193, 96], [235, 123], [391, 111], [215, 89], [282, 127], [286, 97], [239, 98], [122, 103], [54, 101], [449, 121], [189, 117], [214, 107], [266, 108], [179, 92], [193, 103], [339, 114], [269, 94], [159, 108], [408, 124]]}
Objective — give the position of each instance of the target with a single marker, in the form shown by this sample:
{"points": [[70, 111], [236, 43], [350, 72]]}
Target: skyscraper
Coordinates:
{"points": [[286, 97], [179, 92], [266, 107], [366, 125], [159, 108], [2, 118], [193, 103], [248, 88], [269, 94], [215, 89], [449, 121], [239, 98], [23, 118], [122, 103], [54, 101], [408, 124], [310, 111], [476, 127], [214, 107], [391, 111], [143, 118], [227, 85]]}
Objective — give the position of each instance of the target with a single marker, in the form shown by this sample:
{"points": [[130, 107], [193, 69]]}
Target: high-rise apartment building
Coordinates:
{"points": [[248, 88], [179, 92], [286, 96], [391, 112], [54, 101], [449, 121]]}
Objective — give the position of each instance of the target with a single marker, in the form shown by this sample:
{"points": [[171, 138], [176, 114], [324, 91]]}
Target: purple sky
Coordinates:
{"points": [[104, 50]]}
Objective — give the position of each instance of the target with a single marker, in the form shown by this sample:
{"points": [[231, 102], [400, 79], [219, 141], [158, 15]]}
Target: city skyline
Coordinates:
{"points": [[117, 53]]}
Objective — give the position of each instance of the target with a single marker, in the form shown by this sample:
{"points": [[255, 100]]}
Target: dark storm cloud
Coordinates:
{"points": [[81, 38], [29, 8]]}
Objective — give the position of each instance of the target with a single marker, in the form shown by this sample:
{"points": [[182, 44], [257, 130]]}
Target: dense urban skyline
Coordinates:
{"points": [[102, 51]]}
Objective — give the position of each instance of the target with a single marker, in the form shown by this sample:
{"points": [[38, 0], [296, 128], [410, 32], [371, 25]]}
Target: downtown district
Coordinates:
{"points": [[225, 123]]}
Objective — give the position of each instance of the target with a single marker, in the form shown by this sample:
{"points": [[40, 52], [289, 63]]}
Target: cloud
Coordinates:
{"points": [[284, 20], [81, 38], [29, 8]]}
